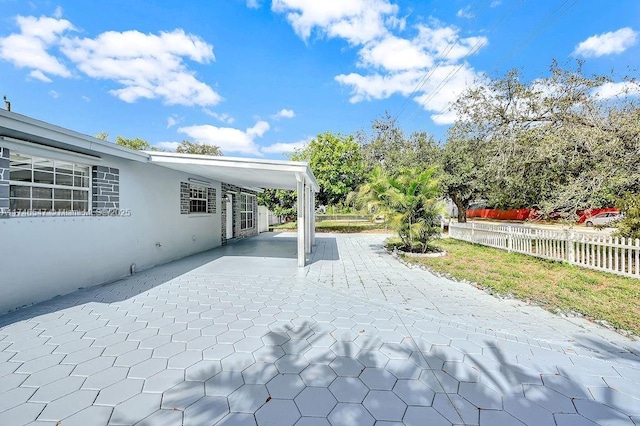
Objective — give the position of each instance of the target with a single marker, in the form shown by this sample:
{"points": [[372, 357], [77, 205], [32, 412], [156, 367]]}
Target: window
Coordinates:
{"points": [[198, 199], [41, 184], [247, 204]]}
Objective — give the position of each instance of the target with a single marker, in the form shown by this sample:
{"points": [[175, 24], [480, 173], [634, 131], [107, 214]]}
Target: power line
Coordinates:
{"points": [[438, 61]]}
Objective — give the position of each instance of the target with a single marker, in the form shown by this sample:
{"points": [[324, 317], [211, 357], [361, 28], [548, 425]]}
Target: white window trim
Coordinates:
{"points": [[55, 158], [205, 199], [242, 210]]}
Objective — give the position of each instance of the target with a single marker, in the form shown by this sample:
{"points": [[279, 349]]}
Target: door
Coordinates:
{"points": [[229, 216]]}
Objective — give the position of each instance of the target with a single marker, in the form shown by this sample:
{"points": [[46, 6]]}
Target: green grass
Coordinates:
{"points": [[558, 287], [337, 226]]}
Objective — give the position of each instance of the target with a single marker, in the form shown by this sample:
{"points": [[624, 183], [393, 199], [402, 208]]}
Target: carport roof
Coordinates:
{"points": [[245, 172]]}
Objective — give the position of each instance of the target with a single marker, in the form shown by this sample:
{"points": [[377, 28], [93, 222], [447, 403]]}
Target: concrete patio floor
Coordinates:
{"points": [[241, 336]]}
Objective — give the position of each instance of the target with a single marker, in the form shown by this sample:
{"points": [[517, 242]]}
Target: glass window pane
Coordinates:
{"points": [[80, 206], [43, 164], [42, 177], [19, 204], [81, 171], [20, 175], [62, 205], [66, 180], [66, 168], [80, 195], [44, 193], [17, 191], [62, 194], [41, 204]]}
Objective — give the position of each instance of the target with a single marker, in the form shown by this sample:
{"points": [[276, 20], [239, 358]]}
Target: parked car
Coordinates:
{"points": [[605, 218]]}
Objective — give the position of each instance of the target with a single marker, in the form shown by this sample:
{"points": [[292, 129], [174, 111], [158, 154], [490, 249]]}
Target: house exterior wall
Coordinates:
{"points": [[42, 257], [4, 181], [237, 232]]}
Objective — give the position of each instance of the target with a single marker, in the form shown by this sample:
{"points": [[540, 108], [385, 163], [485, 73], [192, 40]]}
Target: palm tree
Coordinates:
{"points": [[409, 202]]}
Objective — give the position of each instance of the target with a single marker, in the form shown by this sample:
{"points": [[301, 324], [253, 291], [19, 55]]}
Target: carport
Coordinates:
{"points": [[256, 173]]}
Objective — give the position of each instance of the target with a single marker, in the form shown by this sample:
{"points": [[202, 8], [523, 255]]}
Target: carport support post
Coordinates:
{"points": [[307, 205], [301, 227], [313, 218]]}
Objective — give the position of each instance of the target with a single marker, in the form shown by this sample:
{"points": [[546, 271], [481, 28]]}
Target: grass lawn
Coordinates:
{"points": [[556, 286], [337, 226]]}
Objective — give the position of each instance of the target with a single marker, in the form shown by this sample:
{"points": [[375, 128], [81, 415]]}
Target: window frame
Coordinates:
{"points": [[78, 170], [247, 204], [204, 191]]}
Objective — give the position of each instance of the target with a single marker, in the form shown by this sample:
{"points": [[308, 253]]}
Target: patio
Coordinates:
{"points": [[241, 336]]}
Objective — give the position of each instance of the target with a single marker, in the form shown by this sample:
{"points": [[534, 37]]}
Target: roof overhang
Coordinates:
{"points": [[244, 172], [20, 128]]}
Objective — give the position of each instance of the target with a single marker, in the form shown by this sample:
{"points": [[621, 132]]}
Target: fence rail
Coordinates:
{"points": [[605, 253]]}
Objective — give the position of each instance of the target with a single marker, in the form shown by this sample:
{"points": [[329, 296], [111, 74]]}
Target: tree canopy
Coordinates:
{"points": [[187, 147], [337, 163], [137, 143]]}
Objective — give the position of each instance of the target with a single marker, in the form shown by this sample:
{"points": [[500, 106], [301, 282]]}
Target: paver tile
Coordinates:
{"points": [[237, 361], [318, 375], [147, 368], [135, 409], [348, 389], [207, 411], [91, 416], [248, 398], [345, 414], [105, 378], [260, 373], [224, 383], [119, 392], [237, 419], [42, 377], [285, 386], [163, 381], [162, 418], [55, 390], [456, 409], [21, 414], [278, 412], [68, 405], [414, 392], [600, 413], [378, 379], [384, 405], [315, 402], [419, 416]]}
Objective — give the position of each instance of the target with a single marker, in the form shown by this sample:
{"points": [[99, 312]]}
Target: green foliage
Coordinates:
{"points": [[137, 143], [187, 147], [281, 202], [409, 203], [629, 225], [102, 135], [551, 143], [336, 162], [388, 147]]}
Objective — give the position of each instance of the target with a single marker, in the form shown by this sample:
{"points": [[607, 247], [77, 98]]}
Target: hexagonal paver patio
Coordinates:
{"points": [[355, 338]]}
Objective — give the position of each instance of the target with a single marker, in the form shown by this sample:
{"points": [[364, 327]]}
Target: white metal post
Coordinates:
{"points": [[300, 224], [307, 214], [313, 218]]}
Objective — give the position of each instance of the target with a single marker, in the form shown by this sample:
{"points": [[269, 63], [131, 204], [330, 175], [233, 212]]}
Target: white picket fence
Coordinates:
{"points": [[605, 253]]}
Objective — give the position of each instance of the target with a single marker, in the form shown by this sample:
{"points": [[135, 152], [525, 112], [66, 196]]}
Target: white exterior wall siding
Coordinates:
{"points": [[42, 257]]}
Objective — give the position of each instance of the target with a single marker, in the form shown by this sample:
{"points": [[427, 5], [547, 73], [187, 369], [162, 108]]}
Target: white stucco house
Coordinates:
{"points": [[77, 211]]}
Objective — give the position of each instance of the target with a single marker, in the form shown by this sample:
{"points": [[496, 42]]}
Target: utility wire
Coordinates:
{"points": [[440, 59]]}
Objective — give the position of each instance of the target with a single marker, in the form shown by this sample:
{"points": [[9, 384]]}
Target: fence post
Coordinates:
{"points": [[509, 239], [473, 229], [571, 252]]}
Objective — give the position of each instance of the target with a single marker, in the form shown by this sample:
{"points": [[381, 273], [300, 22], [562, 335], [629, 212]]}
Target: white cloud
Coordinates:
{"points": [[391, 62], [613, 42], [613, 90], [465, 13], [54, 94], [254, 4], [57, 13], [357, 21], [172, 120], [147, 65], [285, 148], [29, 47], [284, 113], [223, 117], [39, 75], [86, 98], [168, 146], [227, 138]]}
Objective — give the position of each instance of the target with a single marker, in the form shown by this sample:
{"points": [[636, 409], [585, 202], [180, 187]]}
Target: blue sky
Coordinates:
{"points": [[258, 77]]}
